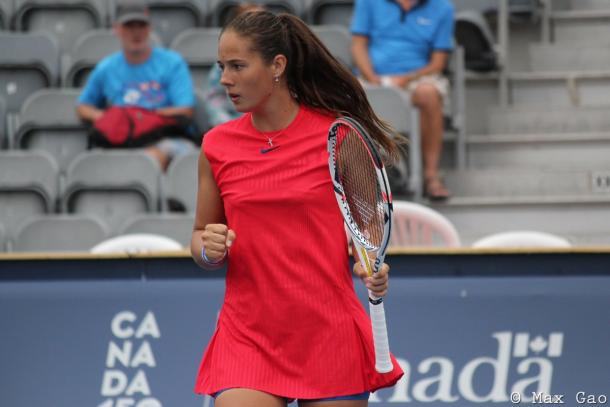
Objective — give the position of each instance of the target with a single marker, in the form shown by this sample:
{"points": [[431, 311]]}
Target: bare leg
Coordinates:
{"points": [[429, 101], [248, 398], [158, 155], [337, 403]]}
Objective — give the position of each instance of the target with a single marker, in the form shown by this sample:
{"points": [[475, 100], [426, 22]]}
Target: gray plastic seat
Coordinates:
{"points": [[67, 20], [338, 41], [181, 181], [60, 233], [199, 48], [295, 7], [173, 225], [473, 33], [6, 12], [483, 6], [170, 17], [394, 106], [221, 11], [200, 117], [113, 185], [28, 187], [3, 131], [88, 50], [329, 12], [48, 122], [2, 239], [29, 62]]}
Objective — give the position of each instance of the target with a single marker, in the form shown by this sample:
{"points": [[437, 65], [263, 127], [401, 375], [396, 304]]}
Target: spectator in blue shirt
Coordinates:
{"points": [[406, 43], [141, 75]]}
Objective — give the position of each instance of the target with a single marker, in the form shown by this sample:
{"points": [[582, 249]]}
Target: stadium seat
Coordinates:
{"points": [[48, 122], [473, 33], [170, 17], [173, 225], [30, 61], [113, 185], [136, 243], [199, 47], [284, 6], [338, 41], [6, 13], [2, 239], [180, 182], [3, 129], [328, 12], [481, 6], [88, 50], [417, 225], [221, 11], [200, 117], [67, 20], [63, 233], [28, 187], [521, 239], [394, 106]]}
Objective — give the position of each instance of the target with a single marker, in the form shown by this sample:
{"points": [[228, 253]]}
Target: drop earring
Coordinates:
{"points": [[277, 78]]}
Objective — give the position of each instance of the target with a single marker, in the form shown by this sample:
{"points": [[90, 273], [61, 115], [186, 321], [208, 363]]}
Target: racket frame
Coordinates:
{"points": [[363, 246]]}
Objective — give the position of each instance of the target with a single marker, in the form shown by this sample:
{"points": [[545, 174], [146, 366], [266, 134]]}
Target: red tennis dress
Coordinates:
{"points": [[291, 324]]}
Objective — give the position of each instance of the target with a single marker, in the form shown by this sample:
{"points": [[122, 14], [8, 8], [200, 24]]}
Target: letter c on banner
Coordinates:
{"points": [[118, 330]]}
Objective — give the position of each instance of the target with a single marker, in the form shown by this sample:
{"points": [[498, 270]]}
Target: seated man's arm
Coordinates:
{"points": [[361, 57], [179, 91], [176, 111], [438, 62], [88, 113], [91, 99]]}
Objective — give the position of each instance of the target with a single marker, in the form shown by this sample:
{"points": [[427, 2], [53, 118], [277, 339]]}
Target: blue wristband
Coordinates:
{"points": [[208, 261]]}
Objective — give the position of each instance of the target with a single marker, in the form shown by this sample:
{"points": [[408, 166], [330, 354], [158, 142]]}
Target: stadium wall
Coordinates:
{"points": [[470, 327]]}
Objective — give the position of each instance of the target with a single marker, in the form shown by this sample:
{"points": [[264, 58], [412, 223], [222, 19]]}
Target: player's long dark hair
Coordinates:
{"points": [[313, 74]]}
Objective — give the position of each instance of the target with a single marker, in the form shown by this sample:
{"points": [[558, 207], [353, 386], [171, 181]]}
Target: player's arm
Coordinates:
{"points": [[210, 233]]}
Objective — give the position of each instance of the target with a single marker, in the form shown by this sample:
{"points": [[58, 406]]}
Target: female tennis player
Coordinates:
{"points": [[291, 325]]}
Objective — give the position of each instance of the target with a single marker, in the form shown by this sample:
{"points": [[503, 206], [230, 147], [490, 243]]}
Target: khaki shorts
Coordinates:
{"points": [[438, 81]]}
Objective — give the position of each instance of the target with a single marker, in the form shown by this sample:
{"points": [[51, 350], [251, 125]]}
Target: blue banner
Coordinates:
{"points": [[462, 341]]}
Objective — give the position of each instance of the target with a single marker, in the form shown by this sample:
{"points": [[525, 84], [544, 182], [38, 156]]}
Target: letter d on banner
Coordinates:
{"points": [[114, 383]]}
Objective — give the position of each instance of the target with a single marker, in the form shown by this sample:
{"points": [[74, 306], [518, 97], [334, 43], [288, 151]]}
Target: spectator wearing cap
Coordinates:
{"points": [[141, 75], [406, 43]]}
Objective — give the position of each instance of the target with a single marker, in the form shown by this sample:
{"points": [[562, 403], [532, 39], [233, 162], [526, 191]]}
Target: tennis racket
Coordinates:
{"points": [[363, 194]]}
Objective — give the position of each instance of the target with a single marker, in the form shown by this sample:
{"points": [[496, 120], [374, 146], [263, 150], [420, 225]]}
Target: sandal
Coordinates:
{"points": [[435, 190]]}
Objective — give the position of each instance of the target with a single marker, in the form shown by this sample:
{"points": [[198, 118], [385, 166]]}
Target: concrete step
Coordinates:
{"points": [[583, 26], [481, 92], [540, 151], [560, 89], [529, 120], [568, 57], [520, 183], [589, 4], [581, 221]]}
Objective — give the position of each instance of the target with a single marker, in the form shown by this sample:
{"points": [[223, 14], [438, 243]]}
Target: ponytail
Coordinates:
{"points": [[313, 74]]}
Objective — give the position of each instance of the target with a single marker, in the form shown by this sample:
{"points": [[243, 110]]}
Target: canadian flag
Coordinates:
{"points": [[553, 344]]}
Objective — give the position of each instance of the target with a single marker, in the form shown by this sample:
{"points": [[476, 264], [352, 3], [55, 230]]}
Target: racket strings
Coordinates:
{"points": [[358, 176]]}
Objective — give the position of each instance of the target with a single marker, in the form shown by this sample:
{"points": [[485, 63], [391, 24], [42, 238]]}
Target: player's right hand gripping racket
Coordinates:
{"points": [[363, 194]]}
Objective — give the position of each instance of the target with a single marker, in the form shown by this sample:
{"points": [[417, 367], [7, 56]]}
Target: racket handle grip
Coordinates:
{"points": [[383, 362]]}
